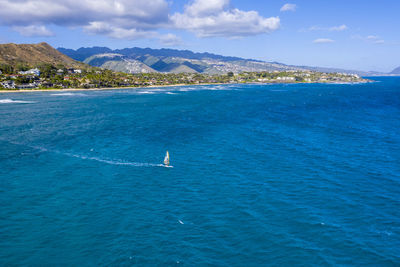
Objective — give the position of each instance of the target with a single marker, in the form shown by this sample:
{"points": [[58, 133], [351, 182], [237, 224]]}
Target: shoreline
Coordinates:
{"points": [[155, 86]]}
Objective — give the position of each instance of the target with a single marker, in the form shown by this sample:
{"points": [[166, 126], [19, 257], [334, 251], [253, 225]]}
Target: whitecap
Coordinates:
{"points": [[10, 101], [146, 92], [68, 94], [42, 149], [383, 232]]}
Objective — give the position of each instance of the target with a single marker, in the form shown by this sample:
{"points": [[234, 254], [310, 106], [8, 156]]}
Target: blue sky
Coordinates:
{"points": [[352, 34]]}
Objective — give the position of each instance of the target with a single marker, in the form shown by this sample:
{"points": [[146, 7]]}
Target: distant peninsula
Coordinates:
{"points": [[396, 71]]}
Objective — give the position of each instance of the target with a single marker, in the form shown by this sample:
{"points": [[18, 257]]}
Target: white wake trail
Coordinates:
{"points": [[107, 161], [113, 162]]}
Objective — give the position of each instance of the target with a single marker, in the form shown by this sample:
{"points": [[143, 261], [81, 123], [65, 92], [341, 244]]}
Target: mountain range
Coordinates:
{"points": [[139, 60]]}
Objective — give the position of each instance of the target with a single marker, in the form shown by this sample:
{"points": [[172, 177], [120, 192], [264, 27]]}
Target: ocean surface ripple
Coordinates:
{"points": [[280, 175]]}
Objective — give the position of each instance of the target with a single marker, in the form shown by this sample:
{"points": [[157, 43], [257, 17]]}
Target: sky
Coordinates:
{"points": [[352, 34]]}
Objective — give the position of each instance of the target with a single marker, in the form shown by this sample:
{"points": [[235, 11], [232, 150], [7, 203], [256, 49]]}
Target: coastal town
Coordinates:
{"points": [[47, 76]]}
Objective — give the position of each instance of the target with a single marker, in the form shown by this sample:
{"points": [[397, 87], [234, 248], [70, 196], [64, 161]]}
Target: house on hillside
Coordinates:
{"points": [[8, 84], [286, 79], [35, 72], [74, 71], [27, 86]]}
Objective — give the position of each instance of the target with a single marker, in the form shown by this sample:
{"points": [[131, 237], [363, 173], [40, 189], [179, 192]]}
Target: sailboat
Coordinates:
{"points": [[166, 160]]}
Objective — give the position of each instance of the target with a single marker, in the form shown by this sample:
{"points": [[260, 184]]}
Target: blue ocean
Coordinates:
{"points": [[263, 175]]}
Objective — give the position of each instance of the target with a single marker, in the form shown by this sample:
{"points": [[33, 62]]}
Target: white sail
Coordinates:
{"points": [[166, 159]]}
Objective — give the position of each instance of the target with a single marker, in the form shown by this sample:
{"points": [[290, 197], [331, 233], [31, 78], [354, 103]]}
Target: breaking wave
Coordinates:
{"points": [[68, 94], [10, 101]]}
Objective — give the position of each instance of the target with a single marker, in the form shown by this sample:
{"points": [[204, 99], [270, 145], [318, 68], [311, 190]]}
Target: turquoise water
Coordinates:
{"points": [[277, 175]]}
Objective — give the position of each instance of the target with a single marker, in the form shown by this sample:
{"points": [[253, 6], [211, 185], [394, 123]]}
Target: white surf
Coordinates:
{"points": [[10, 101]]}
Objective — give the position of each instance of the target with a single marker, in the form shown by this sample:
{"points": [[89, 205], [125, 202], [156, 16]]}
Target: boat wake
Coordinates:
{"points": [[102, 160], [114, 162], [84, 157]]}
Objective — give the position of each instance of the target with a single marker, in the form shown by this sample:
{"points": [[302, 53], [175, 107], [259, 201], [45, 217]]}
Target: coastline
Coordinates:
{"points": [[158, 86]]}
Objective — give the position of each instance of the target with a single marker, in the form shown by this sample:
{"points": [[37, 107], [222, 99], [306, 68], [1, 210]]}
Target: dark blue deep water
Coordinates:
{"points": [[280, 175]]}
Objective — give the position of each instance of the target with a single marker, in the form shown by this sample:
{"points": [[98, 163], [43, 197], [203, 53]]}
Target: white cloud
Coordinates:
{"points": [[117, 18], [288, 7], [375, 39], [372, 37], [323, 41], [104, 28], [369, 39], [78, 12], [313, 28], [339, 28], [206, 7], [33, 30], [170, 40], [133, 19], [213, 18]]}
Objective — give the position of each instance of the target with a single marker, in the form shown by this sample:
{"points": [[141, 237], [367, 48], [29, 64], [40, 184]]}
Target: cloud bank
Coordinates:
{"points": [[134, 19], [128, 19]]}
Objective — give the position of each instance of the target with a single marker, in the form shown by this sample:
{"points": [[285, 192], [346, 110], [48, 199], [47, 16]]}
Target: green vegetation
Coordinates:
{"points": [[40, 66], [61, 77], [6, 69]]}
